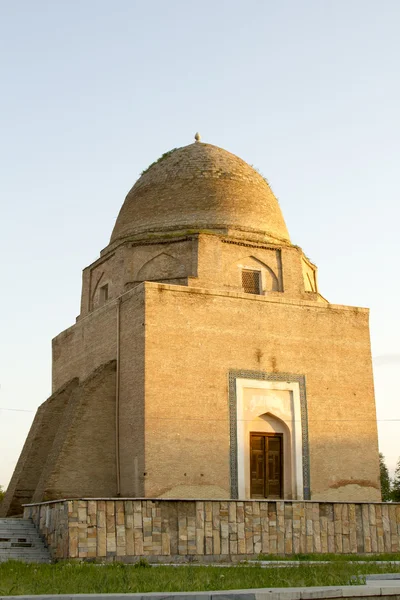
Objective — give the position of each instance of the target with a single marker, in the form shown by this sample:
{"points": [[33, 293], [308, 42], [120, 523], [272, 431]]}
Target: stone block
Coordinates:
{"points": [[138, 541], [216, 542], [165, 544], [73, 542], [232, 512], [129, 540]]}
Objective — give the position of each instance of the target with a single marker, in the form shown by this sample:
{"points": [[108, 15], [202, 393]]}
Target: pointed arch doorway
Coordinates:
{"points": [[274, 404]]}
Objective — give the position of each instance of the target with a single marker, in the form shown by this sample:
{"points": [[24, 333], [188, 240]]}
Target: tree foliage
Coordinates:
{"points": [[395, 491], [385, 479]]}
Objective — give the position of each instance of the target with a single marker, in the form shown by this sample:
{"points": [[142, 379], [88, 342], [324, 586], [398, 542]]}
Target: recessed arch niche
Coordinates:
{"points": [[269, 279], [161, 267]]}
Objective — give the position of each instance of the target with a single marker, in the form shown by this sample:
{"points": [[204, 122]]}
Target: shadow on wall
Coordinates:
{"points": [[163, 266]]}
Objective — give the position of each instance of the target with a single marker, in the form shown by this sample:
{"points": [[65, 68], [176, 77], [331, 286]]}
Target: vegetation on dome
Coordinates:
{"points": [[257, 170], [159, 160]]}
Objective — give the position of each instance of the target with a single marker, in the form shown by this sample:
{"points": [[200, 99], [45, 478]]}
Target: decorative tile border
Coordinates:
{"points": [[260, 375]]}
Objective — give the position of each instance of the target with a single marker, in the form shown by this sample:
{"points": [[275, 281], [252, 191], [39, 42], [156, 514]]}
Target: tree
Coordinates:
{"points": [[385, 479], [1, 493], [395, 495]]}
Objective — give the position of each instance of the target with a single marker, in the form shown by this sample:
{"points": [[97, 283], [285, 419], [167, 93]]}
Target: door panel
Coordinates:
{"points": [[257, 465], [266, 465], [274, 467]]}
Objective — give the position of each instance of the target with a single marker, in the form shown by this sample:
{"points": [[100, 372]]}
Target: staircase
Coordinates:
{"points": [[19, 540]]}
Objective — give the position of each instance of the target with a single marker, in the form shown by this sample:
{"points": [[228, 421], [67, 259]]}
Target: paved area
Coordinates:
{"points": [[384, 589], [301, 563], [384, 580]]}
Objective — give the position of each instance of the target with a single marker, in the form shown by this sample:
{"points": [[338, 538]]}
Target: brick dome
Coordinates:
{"points": [[201, 187]]}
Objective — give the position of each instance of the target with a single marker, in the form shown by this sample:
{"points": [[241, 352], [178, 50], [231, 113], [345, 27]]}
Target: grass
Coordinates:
{"points": [[162, 157], [333, 557], [67, 578]]}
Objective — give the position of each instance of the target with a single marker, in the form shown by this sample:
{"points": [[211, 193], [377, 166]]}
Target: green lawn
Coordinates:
{"points": [[67, 578]]}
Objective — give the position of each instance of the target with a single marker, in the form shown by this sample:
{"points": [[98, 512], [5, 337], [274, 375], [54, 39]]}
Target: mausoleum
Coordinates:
{"points": [[204, 363]]}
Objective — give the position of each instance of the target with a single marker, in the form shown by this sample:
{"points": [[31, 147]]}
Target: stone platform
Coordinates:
{"points": [[124, 529]]}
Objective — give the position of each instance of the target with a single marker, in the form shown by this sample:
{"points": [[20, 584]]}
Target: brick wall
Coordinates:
{"points": [[177, 529], [82, 456], [37, 448], [201, 187], [197, 260], [194, 338]]}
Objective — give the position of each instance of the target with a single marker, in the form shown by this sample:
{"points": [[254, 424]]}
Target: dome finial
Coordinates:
{"points": [[197, 137]]}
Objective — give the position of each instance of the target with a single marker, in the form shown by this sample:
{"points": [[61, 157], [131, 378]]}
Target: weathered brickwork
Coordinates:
{"points": [[201, 260], [165, 529], [200, 186], [152, 409], [34, 456], [85, 440], [227, 331], [219, 332]]}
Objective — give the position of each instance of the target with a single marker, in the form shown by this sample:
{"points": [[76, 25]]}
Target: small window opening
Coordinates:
{"points": [[104, 294], [251, 281]]}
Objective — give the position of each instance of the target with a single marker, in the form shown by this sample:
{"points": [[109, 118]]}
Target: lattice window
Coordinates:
{"points": [[251, 281]]}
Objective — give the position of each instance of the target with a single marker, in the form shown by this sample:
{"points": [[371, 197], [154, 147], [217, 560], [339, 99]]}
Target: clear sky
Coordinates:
{"points": [[93, 91]]}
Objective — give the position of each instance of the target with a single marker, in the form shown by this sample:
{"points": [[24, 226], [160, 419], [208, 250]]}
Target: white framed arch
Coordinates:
{"points": [[270, 406]]}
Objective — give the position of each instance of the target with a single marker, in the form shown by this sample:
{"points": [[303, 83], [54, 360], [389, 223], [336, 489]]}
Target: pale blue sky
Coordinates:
{"points": [[92, 91]]}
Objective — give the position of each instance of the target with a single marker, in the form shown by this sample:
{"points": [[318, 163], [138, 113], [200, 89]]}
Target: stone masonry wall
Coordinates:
{"points": [[52, 521], [163, 530]]}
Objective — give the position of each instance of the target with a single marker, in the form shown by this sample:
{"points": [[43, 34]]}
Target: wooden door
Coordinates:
{"points": [[266, 465]]}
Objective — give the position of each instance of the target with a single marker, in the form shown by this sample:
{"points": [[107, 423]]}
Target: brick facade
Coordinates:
{"points": [[143, 400]]}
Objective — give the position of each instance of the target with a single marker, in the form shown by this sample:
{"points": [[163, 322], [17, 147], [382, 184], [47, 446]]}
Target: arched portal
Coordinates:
{"points": [[268, 423], [269, 468]]}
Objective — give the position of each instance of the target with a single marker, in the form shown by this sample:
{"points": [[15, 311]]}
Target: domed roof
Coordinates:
{"points": [[201, 187]]}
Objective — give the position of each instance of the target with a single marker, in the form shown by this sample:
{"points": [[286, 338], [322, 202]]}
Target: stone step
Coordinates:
{"points": [[22, 544], [34, 544], [16, 522], [12, 533], [12, 520], [23, 550], [20, 540], [32, 557], [29, 527], [17, 529], [26, 559], [15, 537], [30, 544]]}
